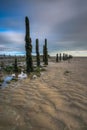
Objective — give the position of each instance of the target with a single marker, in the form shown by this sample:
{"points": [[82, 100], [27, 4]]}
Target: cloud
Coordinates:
{"points": [[11, 38]]}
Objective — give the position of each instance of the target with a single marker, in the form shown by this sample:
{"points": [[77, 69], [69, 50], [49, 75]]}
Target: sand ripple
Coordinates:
{"points": [[55, 101]]}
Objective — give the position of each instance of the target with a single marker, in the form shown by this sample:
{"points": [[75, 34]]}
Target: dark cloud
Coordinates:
{"points": [[73, 32]]}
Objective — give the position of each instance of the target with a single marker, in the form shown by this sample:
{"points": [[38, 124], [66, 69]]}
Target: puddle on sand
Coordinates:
{"points": [[6, 80]]}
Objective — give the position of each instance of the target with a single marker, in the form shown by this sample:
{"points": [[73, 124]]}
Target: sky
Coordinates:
{"points": [[62, 22]]}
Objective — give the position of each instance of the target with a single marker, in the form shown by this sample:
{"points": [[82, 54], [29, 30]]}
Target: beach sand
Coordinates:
{"points": [[55, 101]]}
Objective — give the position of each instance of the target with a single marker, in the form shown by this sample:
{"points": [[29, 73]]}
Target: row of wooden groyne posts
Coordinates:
{"points": [[29, 58]]}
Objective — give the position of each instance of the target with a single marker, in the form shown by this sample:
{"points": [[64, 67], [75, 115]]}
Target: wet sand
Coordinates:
{"points": [[55, 101]]}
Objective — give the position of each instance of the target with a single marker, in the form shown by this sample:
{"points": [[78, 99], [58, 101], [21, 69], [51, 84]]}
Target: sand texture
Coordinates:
{"points": [[55, 101]]}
